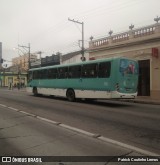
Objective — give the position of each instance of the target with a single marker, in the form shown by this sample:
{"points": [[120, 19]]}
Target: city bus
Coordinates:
{"points": [[111, 78]]}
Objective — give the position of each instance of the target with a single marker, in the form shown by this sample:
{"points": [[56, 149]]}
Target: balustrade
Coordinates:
{"points": [[120, 37], [100, 42], [144, 31], [131, 34]]}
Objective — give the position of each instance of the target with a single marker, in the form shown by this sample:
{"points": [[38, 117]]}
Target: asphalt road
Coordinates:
{"points": [[22, 135], [130, 123]]}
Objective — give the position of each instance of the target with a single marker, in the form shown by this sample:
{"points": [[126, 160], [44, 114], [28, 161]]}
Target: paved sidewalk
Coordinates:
{"points": [[145, 100]]}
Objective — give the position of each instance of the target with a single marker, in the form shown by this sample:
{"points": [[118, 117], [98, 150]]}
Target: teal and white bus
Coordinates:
{"points": [[112, 78]]}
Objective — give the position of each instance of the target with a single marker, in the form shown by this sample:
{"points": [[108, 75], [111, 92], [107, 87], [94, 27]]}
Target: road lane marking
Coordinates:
{"points": [[77, 130], [97, 136], [29, 114], [47, 120], [13, 108], [3, 105]]}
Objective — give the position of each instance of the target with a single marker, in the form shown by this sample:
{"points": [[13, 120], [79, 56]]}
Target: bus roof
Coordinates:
{"points": [[80, 63]]}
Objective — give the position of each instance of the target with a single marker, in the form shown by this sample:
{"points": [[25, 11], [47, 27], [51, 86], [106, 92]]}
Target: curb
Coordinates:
{"points": [[143, 102]]}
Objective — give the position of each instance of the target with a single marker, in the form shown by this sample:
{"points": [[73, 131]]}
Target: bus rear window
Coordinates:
{"points": [[128, 67]]}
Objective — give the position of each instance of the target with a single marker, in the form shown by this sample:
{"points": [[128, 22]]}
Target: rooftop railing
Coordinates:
{"points": [[126, 36]]}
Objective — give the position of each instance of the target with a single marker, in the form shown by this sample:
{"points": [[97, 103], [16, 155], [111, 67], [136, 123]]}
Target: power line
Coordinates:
{"points": [[96, 11]]}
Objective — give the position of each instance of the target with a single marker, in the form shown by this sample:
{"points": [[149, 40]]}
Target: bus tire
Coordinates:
{"points": [[70, 95], [35, 92]]}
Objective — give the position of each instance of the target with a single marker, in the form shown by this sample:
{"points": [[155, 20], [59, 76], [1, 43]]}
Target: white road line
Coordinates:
{"points": [[29, 114], [3, 105], [77, 130], [13, 108], [97, 136], [47, 120]]}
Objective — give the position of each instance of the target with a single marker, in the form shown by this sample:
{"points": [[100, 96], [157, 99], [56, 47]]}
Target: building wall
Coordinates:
{"points": [[75, 59], [135, 44], [7, 78], [50, 60], [0, 51], [22, 61], [155, 77]]}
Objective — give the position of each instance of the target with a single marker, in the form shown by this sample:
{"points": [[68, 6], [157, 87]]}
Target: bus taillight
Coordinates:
{"points": [[117, 86]]}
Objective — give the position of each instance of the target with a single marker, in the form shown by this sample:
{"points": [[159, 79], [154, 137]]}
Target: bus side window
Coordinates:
{"points": [[52, 73], [44, 74], [39, 74], [104, 69], [63, 73], [35, 74], [74, 72], [89, 71], [49, 73]]}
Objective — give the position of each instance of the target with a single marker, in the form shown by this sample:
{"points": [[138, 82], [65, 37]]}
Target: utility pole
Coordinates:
{"points": [[4, 69], [29, 53], [83, 58]]}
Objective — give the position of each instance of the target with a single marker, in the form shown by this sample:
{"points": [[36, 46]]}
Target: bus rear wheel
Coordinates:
{"points": [[70, 95]]}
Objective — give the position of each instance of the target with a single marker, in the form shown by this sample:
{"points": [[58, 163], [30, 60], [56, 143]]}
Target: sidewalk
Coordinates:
{"points": [[145, 100]]}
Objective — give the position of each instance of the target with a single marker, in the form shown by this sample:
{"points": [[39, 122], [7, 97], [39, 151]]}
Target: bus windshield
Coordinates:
{"points": [[128, 67]]}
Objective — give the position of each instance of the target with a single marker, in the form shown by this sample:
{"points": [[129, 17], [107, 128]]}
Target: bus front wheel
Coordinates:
{"points": [[70, 95]]}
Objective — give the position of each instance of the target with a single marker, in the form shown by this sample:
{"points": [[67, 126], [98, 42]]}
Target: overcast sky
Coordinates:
{"points": [[44, 23]]}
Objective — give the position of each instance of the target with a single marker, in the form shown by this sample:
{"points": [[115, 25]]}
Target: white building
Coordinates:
{"points": [[74, 57], [142, 44], [0, 51]]}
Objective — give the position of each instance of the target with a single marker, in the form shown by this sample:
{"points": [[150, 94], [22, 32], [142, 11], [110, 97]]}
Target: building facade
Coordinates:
{"points": [[143, 45], [14, 78], [74, 57], [0, 52], [23, 61], [50, 60]]}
